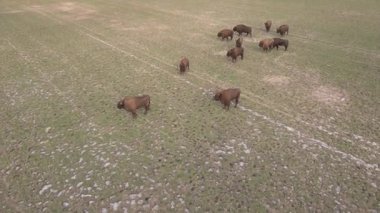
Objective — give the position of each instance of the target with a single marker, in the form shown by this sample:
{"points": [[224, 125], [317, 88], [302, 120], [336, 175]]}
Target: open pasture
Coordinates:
{"points": [[304, 137]]}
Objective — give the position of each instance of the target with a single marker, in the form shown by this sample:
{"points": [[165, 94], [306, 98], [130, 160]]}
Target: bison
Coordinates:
{"points": [[239, 42], [283, 29], [235, 52], [241, 28], [225, 34], [226, 96], [268, 24], [266, 44], [183, 64], [280, 42], [131, 104]]}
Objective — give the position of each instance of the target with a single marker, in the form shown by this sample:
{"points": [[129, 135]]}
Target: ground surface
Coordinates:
{"points": [[305, 136]]}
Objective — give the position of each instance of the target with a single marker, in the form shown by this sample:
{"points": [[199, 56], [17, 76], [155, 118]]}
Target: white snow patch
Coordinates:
{"points": [[65, 204], [44, 188], [115, 206], [47, 130]]}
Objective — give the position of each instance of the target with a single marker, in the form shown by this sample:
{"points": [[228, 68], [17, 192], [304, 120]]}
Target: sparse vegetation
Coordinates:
{"points": [[304, 137]]}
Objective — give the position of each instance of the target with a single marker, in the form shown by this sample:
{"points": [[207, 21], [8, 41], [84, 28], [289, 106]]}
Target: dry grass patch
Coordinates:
{"points": [[348, 13], [276, 80], [221, 53], [330, 95], [69, 10], [146, 27]]}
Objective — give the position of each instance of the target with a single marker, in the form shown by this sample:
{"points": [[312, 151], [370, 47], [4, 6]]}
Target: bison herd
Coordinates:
{"points": [[131, 104]]}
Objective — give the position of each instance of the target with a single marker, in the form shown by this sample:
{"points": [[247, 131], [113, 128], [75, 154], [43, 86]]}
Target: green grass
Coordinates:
{"points": [[293, 144]]}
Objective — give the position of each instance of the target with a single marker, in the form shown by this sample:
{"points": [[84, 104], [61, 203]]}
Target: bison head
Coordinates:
{"points": [[261, 43], [182, 67], [217, 96], [229, 53], [219, 34], [120, 104]]}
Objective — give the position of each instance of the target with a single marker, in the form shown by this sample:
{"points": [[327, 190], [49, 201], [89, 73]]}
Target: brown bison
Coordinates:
{"points": [[268, 24], [266, 44], [183, 64], [131, 104], [239, 42], [283, 29], [235, 52], [225, 34], [241, 28], [280, 42], [226, 96]]}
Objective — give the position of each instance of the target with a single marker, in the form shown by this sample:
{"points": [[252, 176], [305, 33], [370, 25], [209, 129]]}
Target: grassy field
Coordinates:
{"points": [[304, 138]]}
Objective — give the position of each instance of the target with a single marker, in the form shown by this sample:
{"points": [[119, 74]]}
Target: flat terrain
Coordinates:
{"points": [[305, 136]]}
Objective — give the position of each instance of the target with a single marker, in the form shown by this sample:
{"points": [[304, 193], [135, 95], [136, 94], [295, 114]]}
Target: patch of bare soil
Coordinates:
{"points": [[250, 39], [330, 95], [309, 80], [69, 10], [147, 27], [276, 80], [221, 53], [348, 13]]}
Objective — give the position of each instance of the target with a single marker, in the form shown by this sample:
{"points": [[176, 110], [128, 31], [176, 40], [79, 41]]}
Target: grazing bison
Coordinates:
{"points": [[235, 52], [268, 24], [183, 64], [225, 34], [239, 42], [241, 28], [280, 42], [266, 44], [283, 29], [131, 104], [226, 96]]}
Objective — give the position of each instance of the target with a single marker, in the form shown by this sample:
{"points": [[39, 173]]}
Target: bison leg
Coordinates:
{"points": [[134, 114], [146, 109], [237, 100], [226, 106]]}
